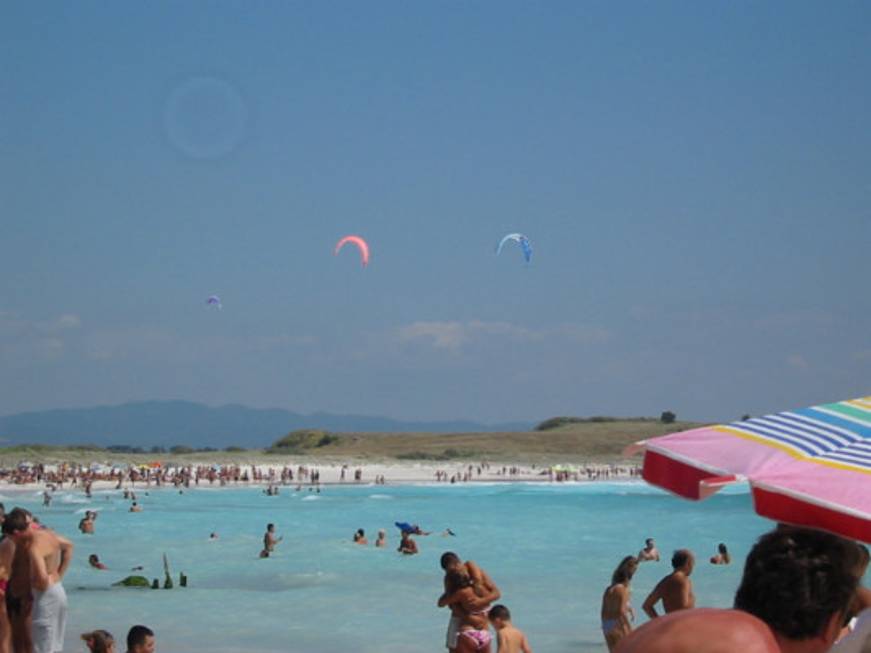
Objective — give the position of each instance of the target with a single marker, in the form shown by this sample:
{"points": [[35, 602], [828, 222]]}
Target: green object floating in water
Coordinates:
{"points": [[133, 581]]}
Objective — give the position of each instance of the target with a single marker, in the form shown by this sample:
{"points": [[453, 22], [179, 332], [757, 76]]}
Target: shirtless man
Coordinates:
{"points": [[7, 553], [649, 552], [676, 589], [484, 587], [269, 539], [49, 556]]}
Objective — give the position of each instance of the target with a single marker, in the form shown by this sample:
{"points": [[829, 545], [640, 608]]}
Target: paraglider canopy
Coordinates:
{"points": [[214, 300], [525, 245], [361, 244]]}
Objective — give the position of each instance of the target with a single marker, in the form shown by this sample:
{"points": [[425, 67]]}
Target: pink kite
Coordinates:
{"points": [[361, 245]]}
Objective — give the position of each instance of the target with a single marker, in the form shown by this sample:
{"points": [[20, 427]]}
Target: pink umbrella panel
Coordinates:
{"points": [[808, 467]]}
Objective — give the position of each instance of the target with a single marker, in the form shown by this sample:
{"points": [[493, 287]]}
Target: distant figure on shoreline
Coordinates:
{"points": [[617, 612], [407, 545], [722, 557], [360, 537], [381, 541], [649, 552], [675, 590]]}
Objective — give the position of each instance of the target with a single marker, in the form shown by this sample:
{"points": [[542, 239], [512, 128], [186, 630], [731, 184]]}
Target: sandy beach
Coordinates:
{"points": [[330, 473]]}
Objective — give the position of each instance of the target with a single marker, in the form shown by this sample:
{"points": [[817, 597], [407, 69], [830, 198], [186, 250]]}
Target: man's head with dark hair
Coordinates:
{"points": [[140, 639], [449, 560], [499, 612], [682, 558], [270, 527], [16, 521], [800, 582]]}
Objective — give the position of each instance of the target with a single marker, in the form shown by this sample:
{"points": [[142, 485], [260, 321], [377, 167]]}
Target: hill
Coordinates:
{"points": [[574, 441], [169, 423]]}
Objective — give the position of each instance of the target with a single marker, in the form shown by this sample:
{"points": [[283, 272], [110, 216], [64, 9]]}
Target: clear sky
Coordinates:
{"points": [[695, 179]]}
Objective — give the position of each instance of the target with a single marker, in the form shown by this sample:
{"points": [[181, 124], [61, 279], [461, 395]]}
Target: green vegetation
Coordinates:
{"points": [[302, 440], [667, 417], [556, 422], [447, 454], [559, 440]]}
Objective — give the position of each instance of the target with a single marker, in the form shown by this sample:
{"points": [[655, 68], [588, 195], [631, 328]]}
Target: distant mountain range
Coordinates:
{"points": [[170, 423]]}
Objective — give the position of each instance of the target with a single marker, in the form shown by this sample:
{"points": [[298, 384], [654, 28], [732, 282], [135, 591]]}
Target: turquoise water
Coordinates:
{"points": [[550, 548]]}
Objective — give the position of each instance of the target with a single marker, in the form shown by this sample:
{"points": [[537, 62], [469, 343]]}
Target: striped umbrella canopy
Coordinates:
{"points": [[808, 467]]}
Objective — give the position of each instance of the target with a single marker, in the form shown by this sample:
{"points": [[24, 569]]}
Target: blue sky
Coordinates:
{"points": [[695, 179]]}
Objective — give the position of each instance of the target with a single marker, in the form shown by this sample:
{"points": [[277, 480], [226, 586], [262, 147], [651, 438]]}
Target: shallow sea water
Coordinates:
{"points": [[550, 548]]}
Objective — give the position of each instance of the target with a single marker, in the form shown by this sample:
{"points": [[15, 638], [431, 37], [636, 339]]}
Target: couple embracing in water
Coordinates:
{"points": [[469, 591]]}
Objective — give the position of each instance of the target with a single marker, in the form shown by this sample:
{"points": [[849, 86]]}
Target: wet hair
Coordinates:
{"points": [[648, 541], [360, 532], [98, 641], [499, 612], [449, 559], [137, 636], [680, 558], [270, 526], [455, 580], [625, 570], [796, 579], [16, 521], [722, 549], [93, 558]]}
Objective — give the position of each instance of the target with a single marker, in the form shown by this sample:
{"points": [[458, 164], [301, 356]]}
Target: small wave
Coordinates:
{"points": [[380, 496], [310, 498], [82, 511], [72, 498]]}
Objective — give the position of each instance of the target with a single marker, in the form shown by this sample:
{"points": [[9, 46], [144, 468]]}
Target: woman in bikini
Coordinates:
{"points": [[616, 609], [471, 609]]}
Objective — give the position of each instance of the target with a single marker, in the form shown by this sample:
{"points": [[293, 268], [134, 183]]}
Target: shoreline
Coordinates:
{"points": [[330, 475]]}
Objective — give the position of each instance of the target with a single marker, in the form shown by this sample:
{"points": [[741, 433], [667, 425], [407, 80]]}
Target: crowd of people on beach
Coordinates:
{"points": [[75, 475]]}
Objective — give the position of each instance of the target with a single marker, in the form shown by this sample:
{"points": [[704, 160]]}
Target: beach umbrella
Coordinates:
{"points": [[808, 467]]}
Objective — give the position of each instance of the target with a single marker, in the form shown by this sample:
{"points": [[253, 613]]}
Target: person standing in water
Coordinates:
{"points": [[617, 612], [49, 556], [269, 541], [675, 590], [722, 557]]}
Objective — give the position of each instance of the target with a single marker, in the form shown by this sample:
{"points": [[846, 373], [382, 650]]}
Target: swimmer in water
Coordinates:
{"points": [[94, 561]]}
